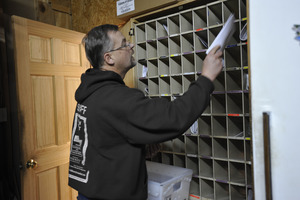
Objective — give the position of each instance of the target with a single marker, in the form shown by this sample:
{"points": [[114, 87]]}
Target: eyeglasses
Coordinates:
{"points": [[126, 45]]}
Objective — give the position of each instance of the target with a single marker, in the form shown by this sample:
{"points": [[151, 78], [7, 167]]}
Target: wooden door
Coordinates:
{"points": [[49, 62]]}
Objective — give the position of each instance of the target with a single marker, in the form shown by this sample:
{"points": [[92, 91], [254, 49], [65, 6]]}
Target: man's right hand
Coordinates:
{"points": [[212, 64]]}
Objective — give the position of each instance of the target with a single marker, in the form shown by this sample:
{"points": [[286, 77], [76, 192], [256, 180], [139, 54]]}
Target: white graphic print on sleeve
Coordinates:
{"points": [[79, 144]]}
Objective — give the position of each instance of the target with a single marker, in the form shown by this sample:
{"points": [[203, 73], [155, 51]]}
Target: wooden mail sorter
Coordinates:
{"points": [[170, 51]]}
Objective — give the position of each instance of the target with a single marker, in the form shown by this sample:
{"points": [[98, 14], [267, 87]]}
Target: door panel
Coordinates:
{"points": [[42, 90], [47, 184], [49, 62], [71, 86]]}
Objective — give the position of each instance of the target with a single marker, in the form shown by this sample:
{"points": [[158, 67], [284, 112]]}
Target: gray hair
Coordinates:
{"points": [[97, 42]]}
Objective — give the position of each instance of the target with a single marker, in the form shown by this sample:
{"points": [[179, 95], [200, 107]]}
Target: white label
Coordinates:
{"points": [[125, 6], [79, 144]]}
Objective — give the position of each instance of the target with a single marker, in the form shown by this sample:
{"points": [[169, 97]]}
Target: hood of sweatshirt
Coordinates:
{"points": [[92, 80]]}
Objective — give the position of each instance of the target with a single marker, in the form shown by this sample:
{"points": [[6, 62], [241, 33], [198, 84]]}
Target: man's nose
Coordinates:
{"points": [[131, 45]]}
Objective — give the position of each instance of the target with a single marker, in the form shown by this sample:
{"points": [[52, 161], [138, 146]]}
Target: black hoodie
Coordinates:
{"points": [[112, 124]]}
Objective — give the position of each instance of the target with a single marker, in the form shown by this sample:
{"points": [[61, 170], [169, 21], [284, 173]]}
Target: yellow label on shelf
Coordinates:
{"points": [[246, 67], [176, 54], [245, 18], [247, 138]]}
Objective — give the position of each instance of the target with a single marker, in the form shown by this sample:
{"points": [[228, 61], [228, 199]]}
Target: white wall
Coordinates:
{"points": [[275, 87]]}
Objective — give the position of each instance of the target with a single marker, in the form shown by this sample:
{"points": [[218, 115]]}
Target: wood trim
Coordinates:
{"points": [[46, 157], [55, 70], [24, 101], [179, 3], [34, 28]]}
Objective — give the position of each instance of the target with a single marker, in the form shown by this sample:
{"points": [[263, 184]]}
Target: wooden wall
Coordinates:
{"points": [[78, 15], [55, 12], [87, 14]]}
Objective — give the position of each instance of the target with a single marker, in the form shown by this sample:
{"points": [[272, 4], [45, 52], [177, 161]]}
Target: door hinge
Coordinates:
{"points": [[131, 32], [20, 166], [3, 115]]}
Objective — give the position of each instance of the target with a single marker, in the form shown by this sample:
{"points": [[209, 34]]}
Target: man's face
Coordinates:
{"points": [[122, 51]]}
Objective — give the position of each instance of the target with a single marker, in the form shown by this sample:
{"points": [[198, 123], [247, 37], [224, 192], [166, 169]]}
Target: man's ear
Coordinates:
{"points": [[108, 59]]}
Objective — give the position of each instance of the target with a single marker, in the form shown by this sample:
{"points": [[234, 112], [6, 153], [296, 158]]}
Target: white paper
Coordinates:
{"points": [[243, 34], [125, 6], [225, 34], [203, 42], [194, 128], [246, 81], [145, 70], [166, 28]]}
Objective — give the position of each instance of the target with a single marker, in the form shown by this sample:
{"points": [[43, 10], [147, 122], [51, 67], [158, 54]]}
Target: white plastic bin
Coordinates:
{"points": [[167, 182]]}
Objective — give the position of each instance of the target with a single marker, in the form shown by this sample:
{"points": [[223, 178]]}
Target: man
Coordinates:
{"points": [[113, 123]]}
